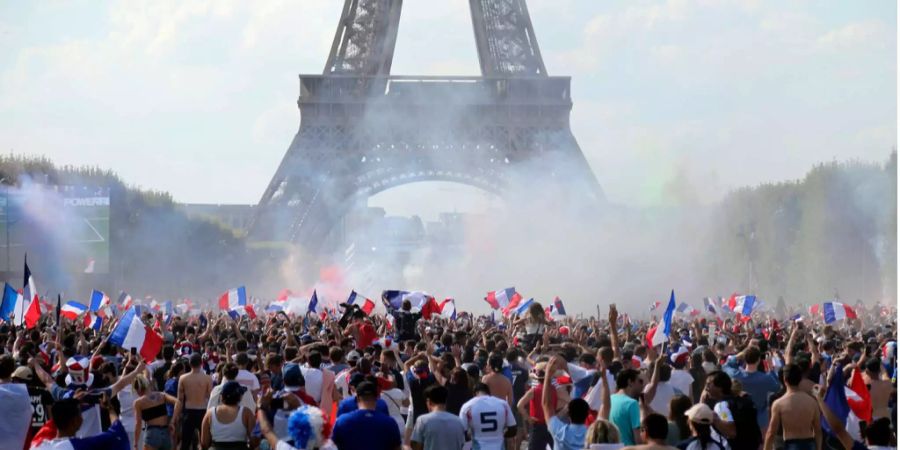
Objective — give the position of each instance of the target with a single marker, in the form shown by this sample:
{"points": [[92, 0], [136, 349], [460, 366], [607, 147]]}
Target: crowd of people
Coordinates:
{"points": [[406, 379]]}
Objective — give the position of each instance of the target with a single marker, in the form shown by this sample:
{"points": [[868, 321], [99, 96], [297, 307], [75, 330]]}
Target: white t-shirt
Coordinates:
{"points": [[616, 446], [247, 379], [313, 378], [487, 417], [682, 380], [664, 393], [394, 398], [594, 396]]}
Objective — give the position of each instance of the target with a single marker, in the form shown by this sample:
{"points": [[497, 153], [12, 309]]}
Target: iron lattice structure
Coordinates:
{"points": [[363, 131]]}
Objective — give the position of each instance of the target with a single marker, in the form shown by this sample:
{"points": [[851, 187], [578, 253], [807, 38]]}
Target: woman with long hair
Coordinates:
{"points": [[535, 324], [700, 418], [458, 391], [150, 413], [602, 435], [679, 429]]}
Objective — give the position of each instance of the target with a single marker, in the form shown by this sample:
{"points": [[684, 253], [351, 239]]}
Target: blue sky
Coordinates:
{"points": [[675, 101]]}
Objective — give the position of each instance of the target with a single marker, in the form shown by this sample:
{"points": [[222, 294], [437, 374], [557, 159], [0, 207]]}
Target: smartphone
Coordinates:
{"points": [[133, 351]]}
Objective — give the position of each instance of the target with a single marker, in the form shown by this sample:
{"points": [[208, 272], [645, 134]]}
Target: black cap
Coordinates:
{"points": [[232, 389]]}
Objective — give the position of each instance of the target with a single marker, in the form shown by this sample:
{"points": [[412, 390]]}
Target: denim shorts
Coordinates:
{"points": [[158, 438]]}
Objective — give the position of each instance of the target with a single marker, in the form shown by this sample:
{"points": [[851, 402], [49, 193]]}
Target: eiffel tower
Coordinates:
{"points": [[363, 130]]}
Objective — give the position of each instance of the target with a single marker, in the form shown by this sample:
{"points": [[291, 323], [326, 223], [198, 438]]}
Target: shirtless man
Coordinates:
{"points": [[193, 397], [796, 414], [500, 386], [880, 389]]}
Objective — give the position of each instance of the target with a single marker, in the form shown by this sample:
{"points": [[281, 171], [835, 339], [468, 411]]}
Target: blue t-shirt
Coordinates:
{"points": [[366, 430], [759, 385], [625, 413], [567, 436], [348, 405]]}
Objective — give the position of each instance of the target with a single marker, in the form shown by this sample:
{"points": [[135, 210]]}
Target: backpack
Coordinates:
{"points": [[748, 436]]}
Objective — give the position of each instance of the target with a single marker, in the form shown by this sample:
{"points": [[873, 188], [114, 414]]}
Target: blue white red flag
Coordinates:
{"points": [[557, 308], [72, 309], [99, 300], [742, 304], [834, 311], [657, 336], [502, 298], [125, 301], [522, 308], [710, 306], [29, 309], [11, 299], [233, 298], [448, 308], [132, 333], [655, 305]]}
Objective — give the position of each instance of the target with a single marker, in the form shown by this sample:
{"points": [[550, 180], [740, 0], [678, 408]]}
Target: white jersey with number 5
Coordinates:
{"points": [[487, 417]]}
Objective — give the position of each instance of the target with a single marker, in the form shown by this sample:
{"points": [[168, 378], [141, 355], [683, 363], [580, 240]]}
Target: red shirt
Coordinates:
{"points": [[366, 335], [535, 409]]}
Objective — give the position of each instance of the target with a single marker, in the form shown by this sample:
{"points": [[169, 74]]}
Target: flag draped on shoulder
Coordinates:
{"points": [[232, 298], [657, 335], [131, 332]]}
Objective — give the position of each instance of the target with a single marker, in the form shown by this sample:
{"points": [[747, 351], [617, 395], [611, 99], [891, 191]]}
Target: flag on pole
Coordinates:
{"points": [[30, 311], [365, 304], [654, 305], [58, 307], [522, 308], [658, 336], [710, 306], [125, 301], [93, 321], [448, 308], [233, 298], [814, 310], [98, 300], [72, 309], [502, 298], [243, 310], [742, 304], [11, 300], [834, 311], [557, 308], [132, 333]]}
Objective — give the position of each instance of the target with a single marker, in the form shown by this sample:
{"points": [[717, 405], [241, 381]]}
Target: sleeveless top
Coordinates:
{"points": [[535, 408], [534, 328], [235, 431]]}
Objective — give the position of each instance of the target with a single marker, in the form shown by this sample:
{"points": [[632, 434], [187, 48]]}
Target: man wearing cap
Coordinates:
{"points": [[365, 428], [41, 400]]}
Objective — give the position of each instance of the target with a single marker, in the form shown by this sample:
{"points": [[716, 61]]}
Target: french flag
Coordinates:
{"points": [[11, 299], [557, 308], [448, 308], [72, 309], [93, 321], [682, 307], [655, 305], [99, 300], [814, 310], [239, 311], [502, 298], [658, 336], [132, 333], [834, 311], [233, 298], [742, 304], [710, 306], [366, 305], [125, 301], [522, 308], [29, 310]]}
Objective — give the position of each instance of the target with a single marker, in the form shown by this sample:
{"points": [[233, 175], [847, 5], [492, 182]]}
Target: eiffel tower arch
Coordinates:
{"points": [[363, 131]]}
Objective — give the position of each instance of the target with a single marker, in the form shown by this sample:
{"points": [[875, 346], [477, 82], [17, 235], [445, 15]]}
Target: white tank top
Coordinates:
{"points": [[229, 432]]}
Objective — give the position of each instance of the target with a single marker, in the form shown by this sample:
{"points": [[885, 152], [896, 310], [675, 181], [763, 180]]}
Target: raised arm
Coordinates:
{"points": [[614, 331], [605, 402], [546, 397]]}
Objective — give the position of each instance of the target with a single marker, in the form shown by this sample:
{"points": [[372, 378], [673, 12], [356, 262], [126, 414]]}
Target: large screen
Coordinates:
{"points": [[63, 229]]}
